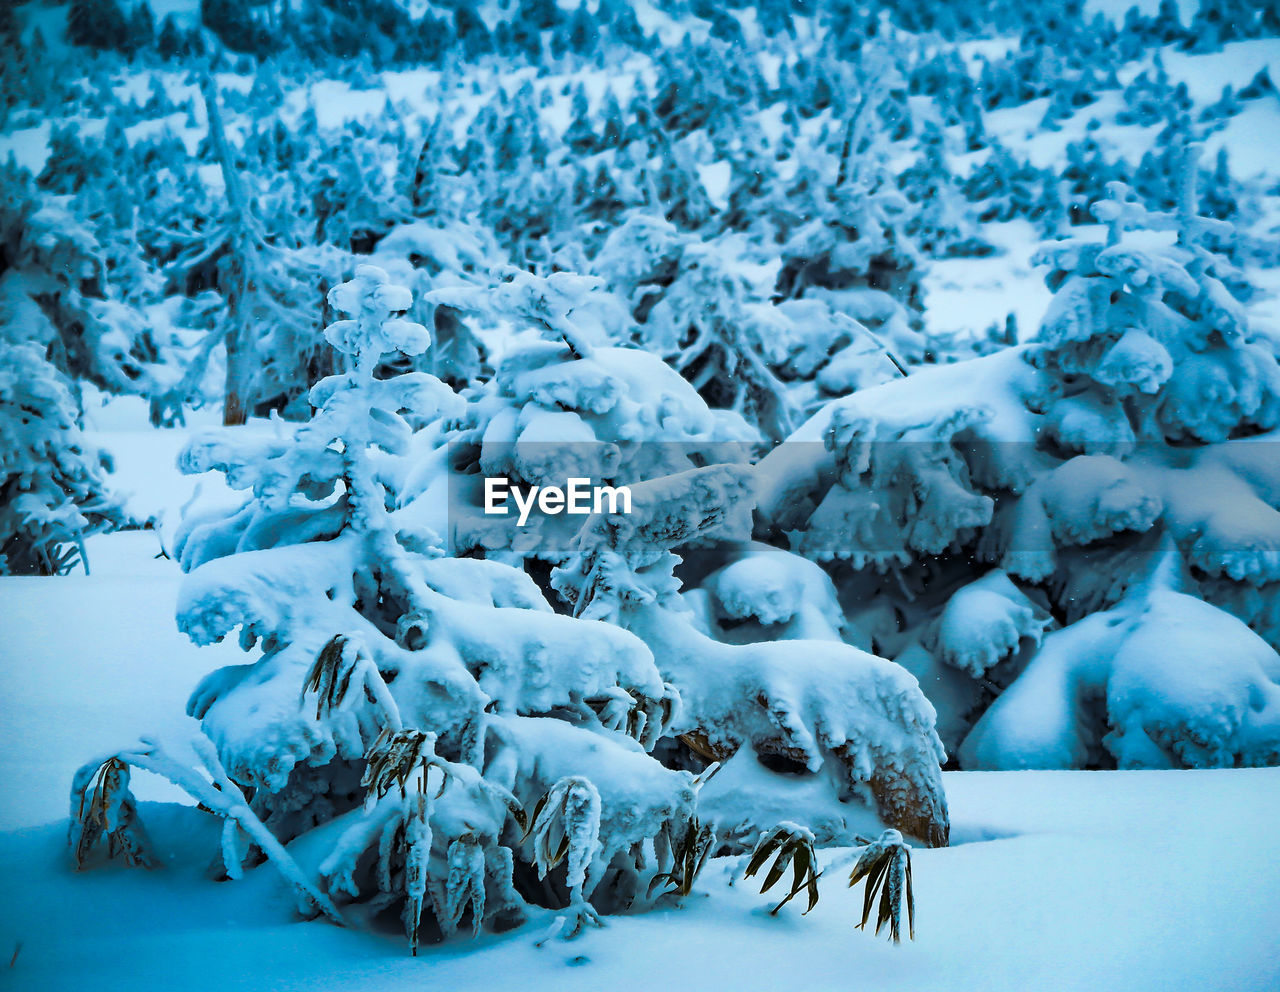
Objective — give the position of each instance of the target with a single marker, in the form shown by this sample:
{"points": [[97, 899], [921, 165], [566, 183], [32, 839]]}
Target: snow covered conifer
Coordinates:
{"points": [[384, 664], [854, 727], [53, 490], [426, 733], [570, 397], [102, 26], [268, 283], [53, 256], [855, 255], [1136, 421], [1143, 319], [942, 224], [1004, 188]]}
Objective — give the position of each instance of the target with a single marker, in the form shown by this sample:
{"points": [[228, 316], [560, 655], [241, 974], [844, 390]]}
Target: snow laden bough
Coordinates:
{"points": [[857, 721], [568, 398], [1178, 682], [402, 710]]}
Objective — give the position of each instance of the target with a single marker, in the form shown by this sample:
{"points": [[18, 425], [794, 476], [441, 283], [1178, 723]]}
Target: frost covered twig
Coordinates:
{"points": [[101, 804], [641, 717], [401, 760], [688, 857], [216, 793], [886, 866], [793, 845], [341, 663], [395, 756], [565, 825]]}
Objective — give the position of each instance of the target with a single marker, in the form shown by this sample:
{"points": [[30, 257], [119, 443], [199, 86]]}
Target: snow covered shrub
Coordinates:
{"points": [[708, 308], [50, 254], [424, 734], [1139, 423], [855, 254], [715, 324], [579, 406], [415, 660], [268, 280], [101, 804], [569, 398], [843, 738], [106, 808], [424, 256], [53, 490], [1004, 188], [1184, 684], [943, 223]]}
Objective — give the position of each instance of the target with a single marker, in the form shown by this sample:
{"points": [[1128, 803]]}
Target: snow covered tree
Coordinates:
{"points": [[569, 398], [1004, 188], [52, 255], [269, 287], [707, 307], [26, 70], [943, 224], [854, 727], [435, 253], [97, 25], [235, 25], [1216, 22], [53, 487], [1065, 465], [428, 735], [1089, 169], [461, 657], [717, 325], [855, 255]]}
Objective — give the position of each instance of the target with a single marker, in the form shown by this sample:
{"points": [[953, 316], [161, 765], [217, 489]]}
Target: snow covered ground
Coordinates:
{"points": [[1055, 881]]}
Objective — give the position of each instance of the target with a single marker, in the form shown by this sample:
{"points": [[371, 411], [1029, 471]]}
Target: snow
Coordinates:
{"points": [[1054, 880], [715, 177], [1250, 159], [669, 30], [1062, 880], [1116, 9], [69, 659], [211, 177], [337, 104], [984, 622], [29, 147], [1235, 66], [1069, 881], [967, 295], [184, 11]]}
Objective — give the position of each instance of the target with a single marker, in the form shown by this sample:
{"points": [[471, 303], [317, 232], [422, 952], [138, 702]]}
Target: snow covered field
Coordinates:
{"points": [[1055, 880]]}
